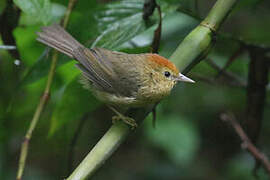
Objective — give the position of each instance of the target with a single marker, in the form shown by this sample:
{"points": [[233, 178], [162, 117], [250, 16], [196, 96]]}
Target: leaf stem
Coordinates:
{"points": [[43, 100]]}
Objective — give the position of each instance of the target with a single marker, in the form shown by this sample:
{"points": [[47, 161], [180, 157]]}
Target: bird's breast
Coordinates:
{"points": [[154, 93], [145, 96]]}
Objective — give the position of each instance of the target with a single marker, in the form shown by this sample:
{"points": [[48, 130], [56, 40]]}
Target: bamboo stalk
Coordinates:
{"points": [[193, 48], [106, 146], [102, 151], [198, 43], [43, 100]]}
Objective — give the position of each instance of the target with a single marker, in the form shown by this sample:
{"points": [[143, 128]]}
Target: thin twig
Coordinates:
{"points": [[246, 143], [43, 100], [6, 47], [157, 34], [101, 152], [148, 8], [196, 7], [155, 47], [74, 142], [214, 81], [223, 35], [227, 74], [244, 42], [236, 54], [154, 113], [71, 5], [9, 20]]}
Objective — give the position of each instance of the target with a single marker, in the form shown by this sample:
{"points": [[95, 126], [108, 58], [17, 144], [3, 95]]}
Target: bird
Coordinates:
{"points": [[118, 79]]}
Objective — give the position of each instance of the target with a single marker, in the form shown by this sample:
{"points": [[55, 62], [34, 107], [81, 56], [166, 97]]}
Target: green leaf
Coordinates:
{"points": [[30, 50], [2, 6], [56, 13], [40, 64], [178, 137], [75, 102], [41, 68], [122, 21], [119, 22], [40, 10]]}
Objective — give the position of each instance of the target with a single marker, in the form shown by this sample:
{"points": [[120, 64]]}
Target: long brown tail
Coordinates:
{"points": [[56, 37]]}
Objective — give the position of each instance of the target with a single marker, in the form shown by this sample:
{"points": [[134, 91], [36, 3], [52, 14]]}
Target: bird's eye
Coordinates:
{"points": [[167, 74]]}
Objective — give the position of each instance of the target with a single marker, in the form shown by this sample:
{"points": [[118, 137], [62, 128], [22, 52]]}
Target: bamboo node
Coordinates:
{"points": [[209, 26]]}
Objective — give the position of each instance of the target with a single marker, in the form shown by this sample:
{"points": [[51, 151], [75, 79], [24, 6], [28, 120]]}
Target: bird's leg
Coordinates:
{"points": [[119, 116], [154, 112]]}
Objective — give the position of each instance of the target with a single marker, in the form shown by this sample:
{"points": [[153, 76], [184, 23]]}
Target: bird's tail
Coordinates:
{"points": [[56, 37]]}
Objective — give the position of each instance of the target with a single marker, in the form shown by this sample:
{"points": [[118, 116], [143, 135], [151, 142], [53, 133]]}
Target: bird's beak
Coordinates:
{"points": [[183, 78]]}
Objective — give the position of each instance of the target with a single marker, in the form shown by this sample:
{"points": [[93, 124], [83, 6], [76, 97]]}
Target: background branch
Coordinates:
{"points": [[256, 89], [157, 34], [9, 21], [74, 142], [226, 74], [215, 81], [246, 142], [236, 54], [43, 100]]}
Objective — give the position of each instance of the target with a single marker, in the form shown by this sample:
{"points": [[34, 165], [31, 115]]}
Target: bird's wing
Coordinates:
{"points": [[93, 70], [107, 70]]}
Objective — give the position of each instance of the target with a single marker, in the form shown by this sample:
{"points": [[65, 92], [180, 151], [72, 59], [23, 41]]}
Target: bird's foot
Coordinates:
{"points": [[130, 121], [120, 117]]}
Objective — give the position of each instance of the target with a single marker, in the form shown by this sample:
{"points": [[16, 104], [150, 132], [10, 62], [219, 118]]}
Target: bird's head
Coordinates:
{"points": [[166, 71], [161, 78]]}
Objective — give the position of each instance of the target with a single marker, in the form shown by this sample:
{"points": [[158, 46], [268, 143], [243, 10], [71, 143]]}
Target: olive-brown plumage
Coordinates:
{"points": [[116, 78]]}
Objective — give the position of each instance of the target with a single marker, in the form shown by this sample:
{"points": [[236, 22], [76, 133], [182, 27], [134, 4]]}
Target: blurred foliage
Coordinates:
{"points": [[189, 142], [60, 114], [42, 11], [180, 152]]}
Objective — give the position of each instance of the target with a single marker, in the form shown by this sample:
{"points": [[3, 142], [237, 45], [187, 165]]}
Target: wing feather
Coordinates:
{"points": [[107, 70], [92, 70]]}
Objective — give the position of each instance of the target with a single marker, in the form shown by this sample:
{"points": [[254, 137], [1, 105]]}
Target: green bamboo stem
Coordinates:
{"points": [[106, 146], [197, 44], [219, 12], [102, 151], [193, 48], [43, 100]]}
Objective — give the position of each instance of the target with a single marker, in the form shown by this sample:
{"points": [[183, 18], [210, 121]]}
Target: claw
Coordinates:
{"points": [[120, 117], [131, 122]]}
